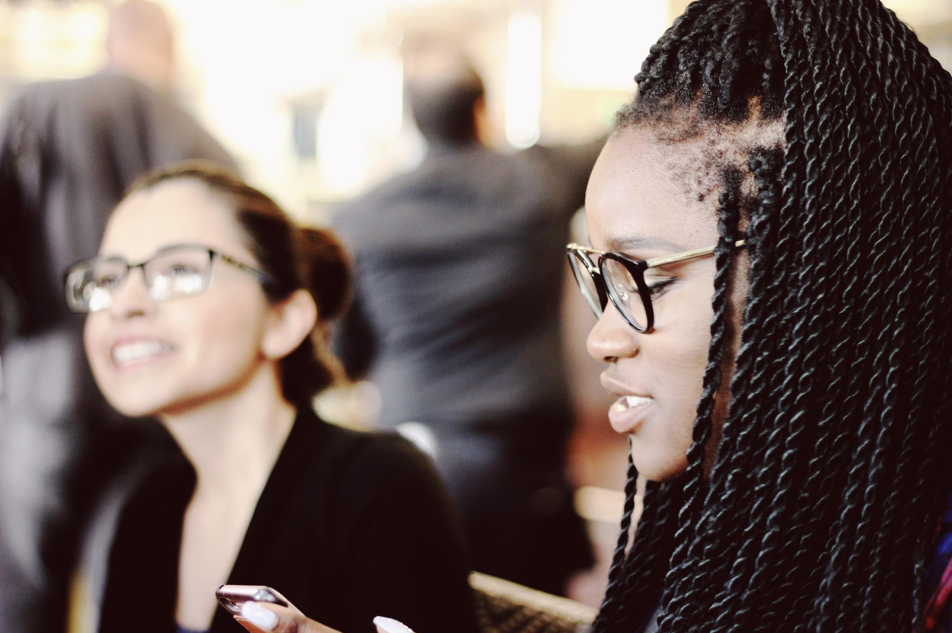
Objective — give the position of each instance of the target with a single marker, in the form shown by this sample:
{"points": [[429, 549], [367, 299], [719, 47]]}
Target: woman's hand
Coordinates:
{"points": [[259, 617]]}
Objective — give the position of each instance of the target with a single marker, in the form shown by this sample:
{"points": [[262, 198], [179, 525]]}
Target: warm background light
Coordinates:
{"points": [[307, 93]]}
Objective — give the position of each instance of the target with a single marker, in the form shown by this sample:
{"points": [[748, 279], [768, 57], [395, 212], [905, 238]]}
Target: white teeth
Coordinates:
{"points": [[636, 401], [630, 402], [132, 352]]}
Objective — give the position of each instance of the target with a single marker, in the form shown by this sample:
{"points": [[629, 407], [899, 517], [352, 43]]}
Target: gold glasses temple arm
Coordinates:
{"points": [[680, 257]]}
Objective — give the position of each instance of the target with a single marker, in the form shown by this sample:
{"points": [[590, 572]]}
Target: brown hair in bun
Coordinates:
{"points": [[329, 272], [297, 258]]}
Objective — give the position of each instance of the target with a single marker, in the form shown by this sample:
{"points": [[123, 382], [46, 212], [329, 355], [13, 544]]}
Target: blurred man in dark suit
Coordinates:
{"points": [[459, 274], [68, 150]]}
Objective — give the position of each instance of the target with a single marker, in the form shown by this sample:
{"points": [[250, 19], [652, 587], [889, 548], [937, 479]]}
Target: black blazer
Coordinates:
{"points": [[349, 526]]}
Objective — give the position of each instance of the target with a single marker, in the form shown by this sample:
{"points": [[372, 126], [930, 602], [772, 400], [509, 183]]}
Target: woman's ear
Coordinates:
{"points": [[290, 322]]}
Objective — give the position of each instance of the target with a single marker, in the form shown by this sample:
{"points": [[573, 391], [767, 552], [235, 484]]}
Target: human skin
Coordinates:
{"points": [[638, 203], [208, 347]]}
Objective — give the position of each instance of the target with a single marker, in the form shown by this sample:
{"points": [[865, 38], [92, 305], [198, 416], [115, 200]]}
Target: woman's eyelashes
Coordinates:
{"points": [[658, 286]]}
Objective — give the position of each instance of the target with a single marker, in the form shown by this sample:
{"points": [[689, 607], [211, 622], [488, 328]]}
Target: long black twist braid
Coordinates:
{"points": [[783, 465], [616, 578], [695, 485], [655, 537]]}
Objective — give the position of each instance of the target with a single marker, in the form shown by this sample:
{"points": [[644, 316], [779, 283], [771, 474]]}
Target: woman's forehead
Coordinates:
{"points": [[638, 189], [174, 212]]}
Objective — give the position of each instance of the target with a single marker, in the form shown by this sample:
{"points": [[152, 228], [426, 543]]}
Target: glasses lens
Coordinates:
{"points": [[623, 291], [89, 287], [586, 283], [178, 273]]}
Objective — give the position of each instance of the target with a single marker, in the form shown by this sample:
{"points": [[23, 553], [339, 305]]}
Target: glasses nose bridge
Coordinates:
{"points": [[142, 269], [121, 294], [143, 276]]}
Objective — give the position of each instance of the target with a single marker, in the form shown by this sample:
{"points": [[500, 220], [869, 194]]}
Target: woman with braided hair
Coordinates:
{"points": [[770, 226], [791, 449]]}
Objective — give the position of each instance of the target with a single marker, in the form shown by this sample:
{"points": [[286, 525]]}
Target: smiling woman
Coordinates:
{"points": [[208, 308], [179, 251]]}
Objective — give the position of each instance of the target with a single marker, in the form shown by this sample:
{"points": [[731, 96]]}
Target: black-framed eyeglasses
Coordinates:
{"points": [[621, 279], [179, 270]]}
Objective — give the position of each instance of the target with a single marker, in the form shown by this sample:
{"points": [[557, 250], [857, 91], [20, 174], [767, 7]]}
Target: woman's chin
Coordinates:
{"points": [[133, 407], [653, 466]]}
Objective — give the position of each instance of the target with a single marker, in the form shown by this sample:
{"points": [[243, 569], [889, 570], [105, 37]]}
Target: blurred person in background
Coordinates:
{"points": [[140, 44], [68, 150], [209, 309], [459, 267]]}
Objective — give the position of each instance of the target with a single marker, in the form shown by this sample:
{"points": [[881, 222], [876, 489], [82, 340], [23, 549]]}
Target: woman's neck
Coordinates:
{"points": [[234, 440]]}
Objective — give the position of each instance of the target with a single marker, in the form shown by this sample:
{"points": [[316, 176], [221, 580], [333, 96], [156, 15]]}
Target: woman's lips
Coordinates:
{"points": [[130, 353], [628, 412]]}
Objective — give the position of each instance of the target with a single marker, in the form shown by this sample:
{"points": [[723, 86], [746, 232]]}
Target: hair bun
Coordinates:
{"points": [[328, 271]]}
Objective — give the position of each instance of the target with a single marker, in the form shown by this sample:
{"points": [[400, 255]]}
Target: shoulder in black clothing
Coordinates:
{"points": [[349, 526], [353, 525], [398, 539]]}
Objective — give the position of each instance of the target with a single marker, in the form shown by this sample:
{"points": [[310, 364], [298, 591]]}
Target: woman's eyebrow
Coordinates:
{"points": [[643, 242]]}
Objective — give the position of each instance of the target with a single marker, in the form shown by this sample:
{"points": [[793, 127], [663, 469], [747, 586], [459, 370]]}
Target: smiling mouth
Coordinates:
{"points": [[627, 413], [138, 353], [626, 403]]}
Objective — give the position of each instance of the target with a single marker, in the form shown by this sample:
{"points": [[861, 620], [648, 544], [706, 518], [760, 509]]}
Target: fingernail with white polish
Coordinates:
{"points": [[259, 616], [389, 625]]}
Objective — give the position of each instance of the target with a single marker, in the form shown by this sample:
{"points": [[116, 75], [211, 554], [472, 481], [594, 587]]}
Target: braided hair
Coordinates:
{"points": [[819, 509]]}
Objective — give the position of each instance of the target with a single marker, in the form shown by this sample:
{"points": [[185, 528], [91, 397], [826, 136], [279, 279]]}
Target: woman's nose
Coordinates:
{"points": [[131, 299], [612, 338]]}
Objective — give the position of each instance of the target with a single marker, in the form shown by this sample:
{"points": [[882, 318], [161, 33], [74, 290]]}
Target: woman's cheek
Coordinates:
{"points": [[680, 371], [94, 342], [228, 339]]}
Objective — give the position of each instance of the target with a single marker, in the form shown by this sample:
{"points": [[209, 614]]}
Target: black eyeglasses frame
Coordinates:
{"points": [[88, 264], [636, 268]]}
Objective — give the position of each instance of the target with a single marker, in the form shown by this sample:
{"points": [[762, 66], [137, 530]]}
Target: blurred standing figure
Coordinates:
{"points": [[459, 269], [68, 150]]}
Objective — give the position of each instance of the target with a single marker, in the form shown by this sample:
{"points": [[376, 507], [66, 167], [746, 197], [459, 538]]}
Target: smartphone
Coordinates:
{"points": [[233, 596]]}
